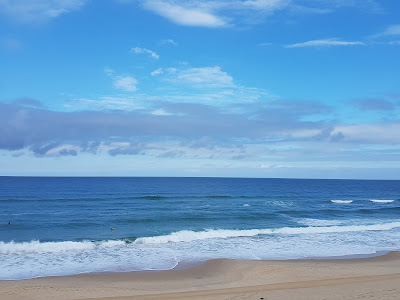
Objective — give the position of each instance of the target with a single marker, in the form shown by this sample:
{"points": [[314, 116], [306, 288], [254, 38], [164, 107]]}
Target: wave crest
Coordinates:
{"points": [[381, 201], [190, 236], [342, 201]]}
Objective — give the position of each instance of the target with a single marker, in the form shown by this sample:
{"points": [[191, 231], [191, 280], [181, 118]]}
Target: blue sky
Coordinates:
{"points": [[256, 88]]}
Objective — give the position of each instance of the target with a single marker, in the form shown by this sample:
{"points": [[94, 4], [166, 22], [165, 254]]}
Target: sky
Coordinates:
{"points": [[231, 88]]}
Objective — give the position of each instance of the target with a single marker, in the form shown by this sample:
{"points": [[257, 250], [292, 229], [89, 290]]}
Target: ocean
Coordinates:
{"points": [[64, 226]]}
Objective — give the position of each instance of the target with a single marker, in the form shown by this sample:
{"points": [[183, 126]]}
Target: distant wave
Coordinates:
{"points": [[342, 201], [112, 197], [53, 200], [381, 201], [152, 197], [190, 236]]}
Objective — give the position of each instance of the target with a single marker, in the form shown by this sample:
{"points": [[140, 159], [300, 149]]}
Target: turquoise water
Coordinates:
{"points": [[62, 226]]}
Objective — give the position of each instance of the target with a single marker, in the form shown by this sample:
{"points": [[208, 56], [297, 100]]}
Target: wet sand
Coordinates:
{"points": [[362, 278]]}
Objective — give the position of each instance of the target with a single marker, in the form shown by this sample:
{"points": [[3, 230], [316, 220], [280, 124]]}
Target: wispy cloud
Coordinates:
{"points": [[265, 44], [169, 42], [386, 36], [393, 43], [269, 5], [325, 43], [138, 50], [157, 72], [125, 83], [212, 13], [392, 30], [38, 10], [106, 103], [202, 77], [210, 85], [193, 14]]}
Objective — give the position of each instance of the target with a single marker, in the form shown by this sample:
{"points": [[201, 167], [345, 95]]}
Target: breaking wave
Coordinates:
{"points": [[55, 247], [381, 201], [190, 236], [342, 201]]}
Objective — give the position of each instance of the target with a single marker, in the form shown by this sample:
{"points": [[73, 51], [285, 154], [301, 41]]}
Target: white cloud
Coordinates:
{"points": [[392, 30], [267, 4], [169, 42], [138, 50], [125, 102], [38, 10], [172, 70], [195, 15], [378, 133], [213, 13], [109, 71], [157, 72], [160, 112], [325, 43], [125, 83], [206, 76]]}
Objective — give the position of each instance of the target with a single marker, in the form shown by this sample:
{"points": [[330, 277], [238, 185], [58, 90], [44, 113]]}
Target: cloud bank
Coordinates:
{"points": [[281, 129]]}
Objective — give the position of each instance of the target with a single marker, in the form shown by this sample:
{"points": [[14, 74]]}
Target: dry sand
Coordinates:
{"points": [[366, 278]]}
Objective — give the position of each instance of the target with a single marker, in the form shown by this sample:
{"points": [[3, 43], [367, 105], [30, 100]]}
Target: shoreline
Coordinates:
{"points": [[192, 264], [377, 276]]}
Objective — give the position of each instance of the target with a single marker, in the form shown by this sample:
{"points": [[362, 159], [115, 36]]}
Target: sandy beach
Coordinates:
{"points": [[362, 278]]}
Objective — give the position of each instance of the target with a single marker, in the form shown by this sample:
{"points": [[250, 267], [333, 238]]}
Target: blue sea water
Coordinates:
{"points": [[64, 226]]}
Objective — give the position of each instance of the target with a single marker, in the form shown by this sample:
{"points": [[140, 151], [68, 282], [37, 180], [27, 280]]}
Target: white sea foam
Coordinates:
{"points": [[315, 226], [342, 201], [35, 259], [55, 247], [381, 201], [49, 247], [246, 205], [189, 236]]}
